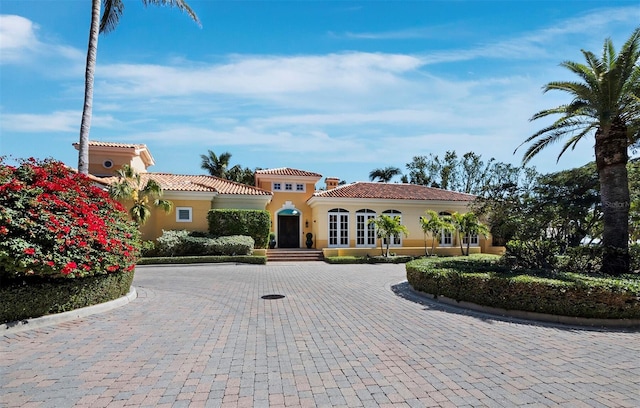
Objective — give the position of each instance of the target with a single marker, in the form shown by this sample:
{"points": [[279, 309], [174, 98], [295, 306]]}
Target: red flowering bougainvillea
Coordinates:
{"points": [[55, 223]]}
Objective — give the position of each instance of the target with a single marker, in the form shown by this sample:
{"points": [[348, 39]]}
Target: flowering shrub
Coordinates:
{"points": [[55, 223]]}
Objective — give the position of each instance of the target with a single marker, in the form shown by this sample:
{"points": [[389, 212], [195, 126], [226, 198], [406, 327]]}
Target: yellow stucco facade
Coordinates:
{"points": [[336, 218]]}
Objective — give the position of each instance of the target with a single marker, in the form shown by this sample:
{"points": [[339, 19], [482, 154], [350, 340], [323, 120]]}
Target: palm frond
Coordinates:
{"points": [[179, 4], [120, 190], [164, 205], [111, 13], [140, 213], [152, 188]]}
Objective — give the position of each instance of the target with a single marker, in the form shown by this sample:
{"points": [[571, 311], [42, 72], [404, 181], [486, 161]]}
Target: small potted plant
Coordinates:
{"points": [[272, 240], [309, 241]]}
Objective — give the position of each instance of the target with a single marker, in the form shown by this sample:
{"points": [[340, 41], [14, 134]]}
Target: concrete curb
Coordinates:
{"points": [[530, 316], [35, 323]]}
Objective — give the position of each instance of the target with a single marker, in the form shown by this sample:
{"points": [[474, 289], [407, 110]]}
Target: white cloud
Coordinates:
{"points": [[17, 38], [59, 121], [259, 76], [20, 44]]}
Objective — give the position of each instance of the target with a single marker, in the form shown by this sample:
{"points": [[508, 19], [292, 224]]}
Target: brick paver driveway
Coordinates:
{"points": [[202, 336]]}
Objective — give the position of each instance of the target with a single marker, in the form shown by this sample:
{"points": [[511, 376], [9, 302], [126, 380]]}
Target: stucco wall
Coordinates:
{"points": [[297, 200], [160, 220], [410, 213]]}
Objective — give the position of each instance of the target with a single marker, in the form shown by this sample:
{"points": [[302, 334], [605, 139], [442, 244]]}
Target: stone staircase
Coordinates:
{"points": [[294, 255]]}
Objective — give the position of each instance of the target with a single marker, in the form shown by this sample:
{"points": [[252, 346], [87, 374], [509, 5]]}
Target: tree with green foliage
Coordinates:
{"points": [[384, 175], [467, 174], [433, 225], [606, 103], [108, 22], [130, 187], [502, 202], [567, 203], [243, 175], [387, 228], [217, 166], [467, 225]]}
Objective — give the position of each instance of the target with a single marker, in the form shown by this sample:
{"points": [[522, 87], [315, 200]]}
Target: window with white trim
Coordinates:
{"points": [[338, 227], [299, 187], [474, 239], [365, 231], [184, 214], [446, 237], [397, 239], [288, 186], [277, 186]]}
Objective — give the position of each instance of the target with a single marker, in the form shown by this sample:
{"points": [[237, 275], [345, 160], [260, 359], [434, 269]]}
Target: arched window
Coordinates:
{"points": [[365, 231], [338, 227], [397, 239], [446, 237]]}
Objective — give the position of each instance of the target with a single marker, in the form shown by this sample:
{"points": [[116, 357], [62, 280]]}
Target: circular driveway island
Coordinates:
{"points": [[337, 336]]}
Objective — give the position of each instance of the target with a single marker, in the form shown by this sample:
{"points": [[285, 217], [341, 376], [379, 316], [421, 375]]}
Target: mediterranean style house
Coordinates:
{"points": [[336, 216]]}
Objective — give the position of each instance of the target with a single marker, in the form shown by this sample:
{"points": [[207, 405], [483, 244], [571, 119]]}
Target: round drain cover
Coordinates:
{"points": [[272, 297]]}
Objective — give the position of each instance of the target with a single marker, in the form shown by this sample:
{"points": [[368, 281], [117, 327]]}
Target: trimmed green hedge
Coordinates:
{"points": [[186, 243], [257, 260], [484, 281], [253, 223], [32, 297], [367, 260]]}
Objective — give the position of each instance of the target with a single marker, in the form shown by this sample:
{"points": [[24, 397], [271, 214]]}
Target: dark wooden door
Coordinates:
{"points": [[288, 231]]}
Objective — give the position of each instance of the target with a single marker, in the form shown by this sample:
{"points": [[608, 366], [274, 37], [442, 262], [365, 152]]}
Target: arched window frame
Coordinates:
{"points": [[365, 231], [397, 240], [338, 228], [446, 236]]}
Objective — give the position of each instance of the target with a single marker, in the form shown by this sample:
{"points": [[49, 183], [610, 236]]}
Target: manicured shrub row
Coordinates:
{"points": [[55, 223], [36, 296], [256, 260], [185, 243], [543, 254], [367, 260], [486, 282], [253, 223]]}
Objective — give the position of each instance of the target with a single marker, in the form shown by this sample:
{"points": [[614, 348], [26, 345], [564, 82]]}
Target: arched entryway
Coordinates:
{"points": [[289, 228]]}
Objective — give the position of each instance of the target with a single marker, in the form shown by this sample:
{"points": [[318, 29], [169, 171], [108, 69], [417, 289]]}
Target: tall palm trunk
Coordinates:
{"points": [[92, 51], [611, 161]]}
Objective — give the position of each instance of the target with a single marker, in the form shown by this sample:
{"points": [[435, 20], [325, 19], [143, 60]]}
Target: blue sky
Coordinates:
{"points": [[335, 87]]}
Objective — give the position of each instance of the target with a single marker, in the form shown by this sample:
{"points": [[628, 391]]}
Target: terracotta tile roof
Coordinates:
{"points": [[113, 144], [176, 182], [393, 191], [286, 171]]}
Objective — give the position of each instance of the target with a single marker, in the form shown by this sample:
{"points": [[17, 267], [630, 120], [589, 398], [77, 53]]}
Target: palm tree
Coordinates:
{"points": [[216, 165], [388, 227], [434, 225], [112, 12], [129, 187], [384, 175], [467, 225], [606, 102]]}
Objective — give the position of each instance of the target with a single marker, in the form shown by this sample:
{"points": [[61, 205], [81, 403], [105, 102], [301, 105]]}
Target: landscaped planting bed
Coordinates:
{"points": [[64, 244], [484, 281]]}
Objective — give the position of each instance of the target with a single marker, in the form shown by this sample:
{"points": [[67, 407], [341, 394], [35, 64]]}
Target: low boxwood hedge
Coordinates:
{"points": [[484, 281], [31, 297], [367, 260], [192, 243], [256, 260]]}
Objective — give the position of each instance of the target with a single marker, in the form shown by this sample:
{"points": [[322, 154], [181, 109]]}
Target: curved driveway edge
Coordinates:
{"points": [[35, 323], [204, 336], [529, 317]]}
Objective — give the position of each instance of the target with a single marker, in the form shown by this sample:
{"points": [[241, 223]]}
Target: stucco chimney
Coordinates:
{"points": [[331, 182]]}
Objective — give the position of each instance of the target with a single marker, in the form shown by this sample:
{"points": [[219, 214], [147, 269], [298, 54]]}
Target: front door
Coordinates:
{"points": [[288, 231]]}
